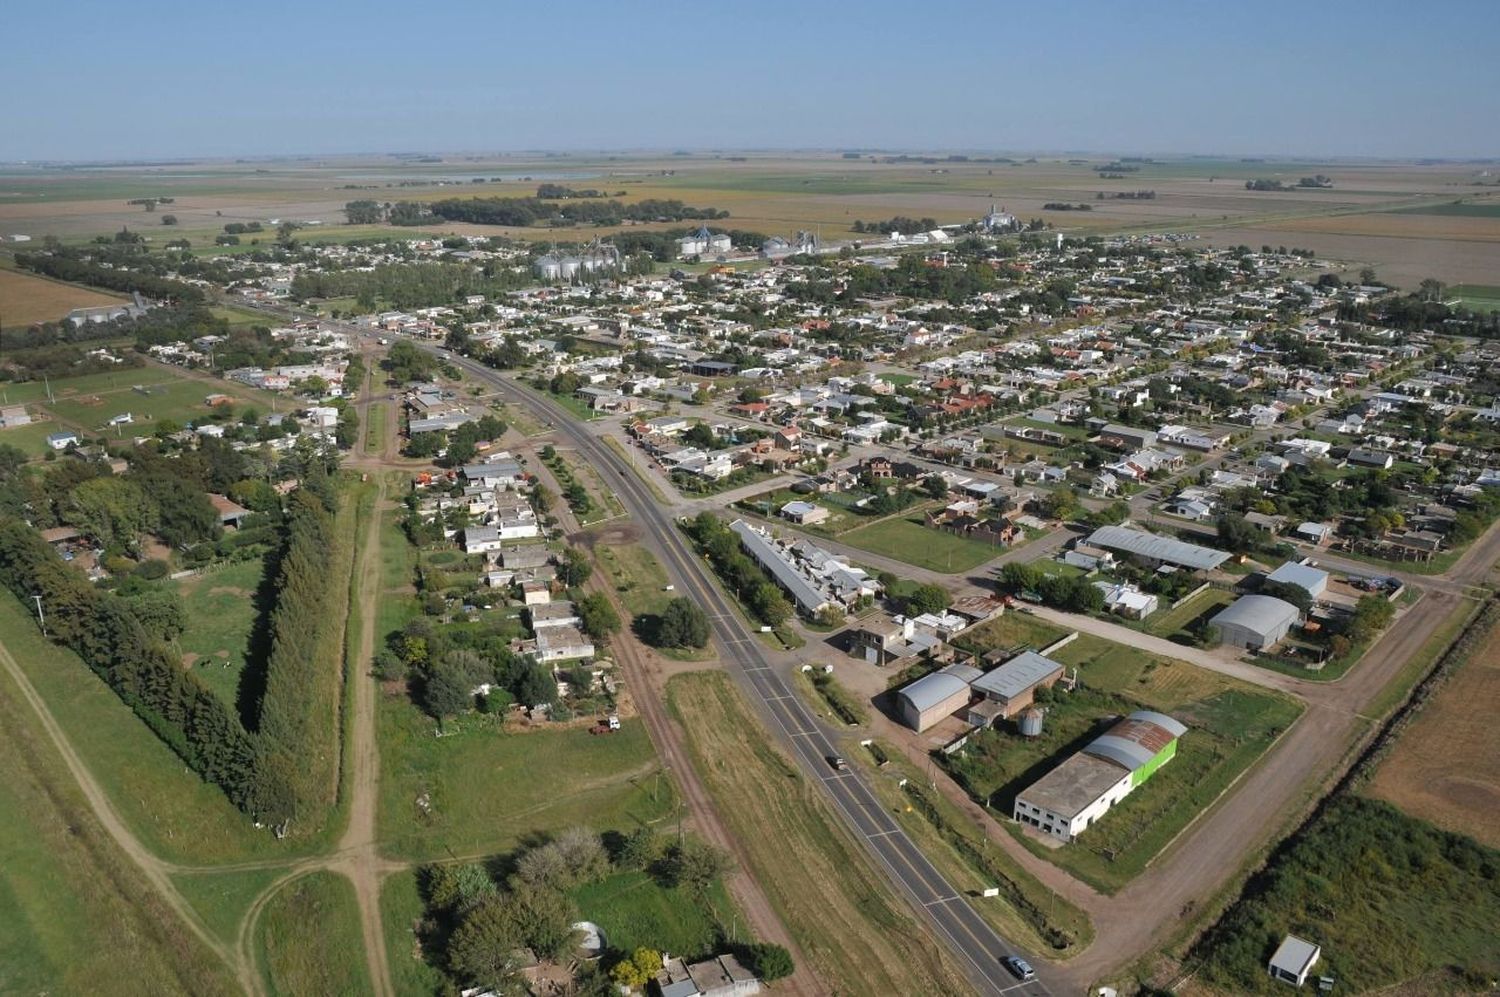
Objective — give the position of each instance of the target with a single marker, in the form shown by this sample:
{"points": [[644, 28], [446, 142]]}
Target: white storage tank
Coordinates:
{"points": [[1030, 722]]}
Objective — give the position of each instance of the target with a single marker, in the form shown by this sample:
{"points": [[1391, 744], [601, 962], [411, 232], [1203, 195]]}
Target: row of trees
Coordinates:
{"points": [[529, 211], [74, 267], [759, 594], [104, 631], [298, 723]]}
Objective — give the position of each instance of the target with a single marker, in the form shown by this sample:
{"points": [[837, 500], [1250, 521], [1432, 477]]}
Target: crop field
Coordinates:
{"points": [[26, 298], [78, 917], [907, 538], [476, 791], [1442, 769], [220, 610], [1230, 724], [309, 939], [858, 936]]}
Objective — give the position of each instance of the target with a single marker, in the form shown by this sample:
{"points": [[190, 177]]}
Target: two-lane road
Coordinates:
{"points": [[974, 944]]}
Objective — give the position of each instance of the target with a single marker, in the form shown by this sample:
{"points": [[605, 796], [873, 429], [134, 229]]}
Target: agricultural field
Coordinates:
{"points": [[1230, 725], [220, 607], [857, 934], [78, 916], [476, 790], [308, 938], [26, 298], [1442, 769]]}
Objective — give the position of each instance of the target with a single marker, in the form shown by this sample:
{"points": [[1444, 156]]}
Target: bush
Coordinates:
{"points": [[769, 961]]}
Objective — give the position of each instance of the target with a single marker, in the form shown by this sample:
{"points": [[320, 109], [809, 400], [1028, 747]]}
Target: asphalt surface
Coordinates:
{"points": [[973, 943]]}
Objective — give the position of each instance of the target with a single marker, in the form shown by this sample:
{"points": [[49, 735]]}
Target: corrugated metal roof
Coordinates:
{"points": [[1262, 614], [1314, 580], [931, 690], [1163, 549], [1137, 739], [766, 554], [1016, 675]]}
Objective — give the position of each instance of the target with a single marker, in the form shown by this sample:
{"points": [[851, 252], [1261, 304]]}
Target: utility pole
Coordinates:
{"points": [[40, 617]]}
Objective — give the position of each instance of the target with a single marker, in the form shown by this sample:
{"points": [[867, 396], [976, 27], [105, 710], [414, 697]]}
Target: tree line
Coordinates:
{"points": [[73, 267], [526, 212]]}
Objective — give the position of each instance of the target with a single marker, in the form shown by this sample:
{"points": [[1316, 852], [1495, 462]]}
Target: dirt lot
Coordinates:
{"points": [[1443, 768], [25, 299]]}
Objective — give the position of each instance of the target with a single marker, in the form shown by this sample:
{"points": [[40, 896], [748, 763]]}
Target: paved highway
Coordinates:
{"points": [[973, 943]]}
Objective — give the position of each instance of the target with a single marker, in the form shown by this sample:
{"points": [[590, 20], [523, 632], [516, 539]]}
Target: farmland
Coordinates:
{"points": [[27, 298], [857, 934], [1443, 766]]}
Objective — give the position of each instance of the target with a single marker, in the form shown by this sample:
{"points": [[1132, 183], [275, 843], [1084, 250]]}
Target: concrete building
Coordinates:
{"points": [[1013, 685], [1065, 801], [1254, 622], [1126, 437], [804, 513], [1293, 960], [939, 694]]}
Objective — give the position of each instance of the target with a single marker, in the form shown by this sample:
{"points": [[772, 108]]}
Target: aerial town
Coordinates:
{"points": [[699, 573]]}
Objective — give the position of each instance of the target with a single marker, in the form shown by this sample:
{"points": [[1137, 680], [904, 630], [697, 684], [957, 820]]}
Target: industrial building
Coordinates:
{"points": [[703, 242], [1154, 551], [1254, 622], [1003, 691], [1313, 580], [1078, 792]]}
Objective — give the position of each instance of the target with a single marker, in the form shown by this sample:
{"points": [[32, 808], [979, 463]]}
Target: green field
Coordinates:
{"points": [[1166, 622], [31, 438], [1390, 899], [78, 916], [907, 538], [176, 814], [401, 908], [220, 608], [484, 790], [1230, 724], [1480, 297], [1460, 209], [222, 899], [308, 939], [636, 911]]}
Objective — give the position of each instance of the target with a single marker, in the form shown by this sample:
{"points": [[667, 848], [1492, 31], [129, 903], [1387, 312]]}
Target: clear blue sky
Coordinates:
{"points": [[146, 78]]}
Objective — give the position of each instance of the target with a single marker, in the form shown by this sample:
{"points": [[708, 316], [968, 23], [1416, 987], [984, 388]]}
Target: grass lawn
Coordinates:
{"points": [[1014, 629], [181, 401], [31, 438], [907, 538], [1480, 297], [400, 909], [859, 937], [635, 911], [1230, 724], [223, 898], [1170, 621], [308, 938], [375, 434], [78, 917], [640, 582], [220, 609], [484, 790], [177, 815]]}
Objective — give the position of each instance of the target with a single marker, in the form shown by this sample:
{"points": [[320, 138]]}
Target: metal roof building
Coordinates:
{"points": [[1314, 580], [936, 695], [1254, 622], [1157, 549], [1136, 740], [1014, 683], [766, 554]]}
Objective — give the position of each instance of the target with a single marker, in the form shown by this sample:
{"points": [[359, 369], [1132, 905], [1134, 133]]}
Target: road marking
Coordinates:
{"points": [[801, 733], [777, 699], [882, 834], [944, 900]]}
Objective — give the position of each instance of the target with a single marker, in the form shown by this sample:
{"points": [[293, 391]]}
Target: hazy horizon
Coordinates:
{"points": [[1289, 81]]}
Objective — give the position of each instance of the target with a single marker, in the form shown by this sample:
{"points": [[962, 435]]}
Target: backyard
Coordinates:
{"points": [[220, 609]]}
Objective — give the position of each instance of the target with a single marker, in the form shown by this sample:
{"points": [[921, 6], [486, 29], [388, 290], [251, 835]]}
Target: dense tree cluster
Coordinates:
{"points": [[410, 285], [104, 630], [1070, 592], [532, 211], [75, 266]]}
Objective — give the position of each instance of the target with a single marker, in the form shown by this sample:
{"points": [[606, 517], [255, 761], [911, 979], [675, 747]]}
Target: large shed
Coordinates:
{"points": [[936, 695], [1013, 685], [1305, 576], [1254, 622], [1153, 550]]}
